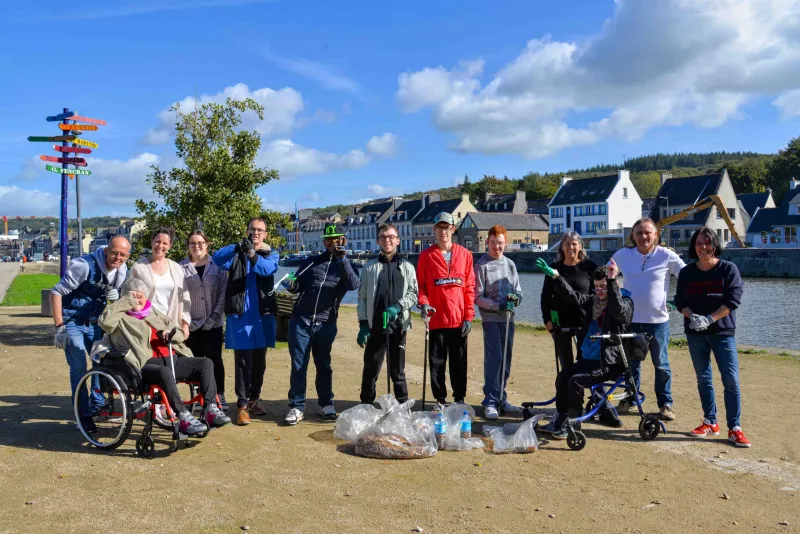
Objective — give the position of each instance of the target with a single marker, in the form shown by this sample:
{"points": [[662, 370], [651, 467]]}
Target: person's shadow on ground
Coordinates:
{"points": [[26, 335]]}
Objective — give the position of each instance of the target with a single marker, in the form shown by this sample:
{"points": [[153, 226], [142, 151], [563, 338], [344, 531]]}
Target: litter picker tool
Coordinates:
{"points": [[386, 333], [289, 275]]}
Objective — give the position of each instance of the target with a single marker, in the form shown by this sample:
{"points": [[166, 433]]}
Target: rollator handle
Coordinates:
{"points": [[620, 336]]}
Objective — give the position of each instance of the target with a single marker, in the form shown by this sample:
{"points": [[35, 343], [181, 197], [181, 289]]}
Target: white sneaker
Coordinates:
{"points": [[439, 407], [490, 412], [510, 408], [293, 417], [328, 412]]}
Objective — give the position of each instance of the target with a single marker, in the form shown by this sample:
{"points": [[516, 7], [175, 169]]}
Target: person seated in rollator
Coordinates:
{"points": [[607, 311], [135, 326]]}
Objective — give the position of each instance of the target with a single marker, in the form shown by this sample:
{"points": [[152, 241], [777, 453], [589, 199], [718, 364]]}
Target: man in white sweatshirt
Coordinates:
{"points": [[646, 268]]}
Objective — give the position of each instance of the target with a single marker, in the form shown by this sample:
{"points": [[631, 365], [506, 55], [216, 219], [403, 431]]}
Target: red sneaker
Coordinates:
{"points": [[706, 428], [736, 436]]}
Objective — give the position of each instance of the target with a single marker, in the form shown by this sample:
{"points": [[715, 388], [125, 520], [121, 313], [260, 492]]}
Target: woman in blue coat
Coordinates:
{"points": [[250, 314]]}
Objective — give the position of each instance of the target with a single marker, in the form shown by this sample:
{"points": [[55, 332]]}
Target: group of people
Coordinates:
{"points": [[162, 305]]}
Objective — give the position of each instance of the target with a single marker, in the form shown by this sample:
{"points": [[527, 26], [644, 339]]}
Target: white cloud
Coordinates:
{"points": [[788, 104], [281, 110], [323, 74], [291, 159], [18, 201], [384, 146], [641, 70]]}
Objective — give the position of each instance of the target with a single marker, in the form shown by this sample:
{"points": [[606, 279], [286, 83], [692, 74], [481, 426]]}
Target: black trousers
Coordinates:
{"points": [[571, 382], [249, 376], [208, 343], [564, 349], [444, 343], [157, 372], [374, 353]]}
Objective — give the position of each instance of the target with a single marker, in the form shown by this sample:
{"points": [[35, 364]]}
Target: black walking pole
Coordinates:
{"points": [[386, 333], [425, 362]]}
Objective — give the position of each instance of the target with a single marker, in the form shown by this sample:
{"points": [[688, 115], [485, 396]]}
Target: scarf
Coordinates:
{"points": [[598, 307], [141, 314]]}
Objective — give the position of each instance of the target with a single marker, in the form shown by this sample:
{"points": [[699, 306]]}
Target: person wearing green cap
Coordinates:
{"points": [[321, 284], [388, 286]]}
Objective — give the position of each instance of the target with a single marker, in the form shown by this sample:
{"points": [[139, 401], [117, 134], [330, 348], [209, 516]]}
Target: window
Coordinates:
{"points": [[719, 233], [578, 210], [624, 192], [687, 234], [726, 234], [556, 228], [732, 214]]}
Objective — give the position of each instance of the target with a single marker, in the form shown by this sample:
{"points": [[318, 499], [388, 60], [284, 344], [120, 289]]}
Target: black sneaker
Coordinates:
{"points": [[563, 433], [609, 418], [88, 425], [223, 404]]}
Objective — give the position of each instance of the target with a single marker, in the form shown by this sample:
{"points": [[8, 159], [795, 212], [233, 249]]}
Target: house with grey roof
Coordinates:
{"points": [[753, 201], [678, 194], [423, 222], [362, 225], [503, 203], [777, 227], [473, 232], [600, 209], [403, 219]]}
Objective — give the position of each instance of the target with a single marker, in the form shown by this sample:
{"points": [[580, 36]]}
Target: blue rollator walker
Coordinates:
{"points": [[528, 407], [649, 425]]}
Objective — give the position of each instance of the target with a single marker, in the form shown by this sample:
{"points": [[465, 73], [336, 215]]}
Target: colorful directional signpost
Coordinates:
{"points": [[70, 144]]}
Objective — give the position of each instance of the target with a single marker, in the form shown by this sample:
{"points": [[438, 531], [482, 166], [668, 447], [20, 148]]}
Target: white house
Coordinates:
{"points": [[777, 227], [599, 209]]}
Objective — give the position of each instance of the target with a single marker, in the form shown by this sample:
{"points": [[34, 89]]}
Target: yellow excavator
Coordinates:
{"points": [[711, 200]]}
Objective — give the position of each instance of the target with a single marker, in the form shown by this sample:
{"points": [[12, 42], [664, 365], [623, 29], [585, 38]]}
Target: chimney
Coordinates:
{"points": [[465, 197], [564, 180], [792, 184], [665, 176], [623, 174], [486, 196]]}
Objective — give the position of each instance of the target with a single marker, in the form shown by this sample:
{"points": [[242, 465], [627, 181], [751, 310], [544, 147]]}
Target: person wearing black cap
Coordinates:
{"points": [[321, 283]]}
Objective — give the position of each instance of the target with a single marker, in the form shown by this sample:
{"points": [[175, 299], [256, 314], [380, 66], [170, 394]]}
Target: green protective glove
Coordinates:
{"points": [[513, 297], [363, 335], [671, 306], [391, 313], [466, 326], [291, 276], [508, 306], [554, 318], [546, 269]]}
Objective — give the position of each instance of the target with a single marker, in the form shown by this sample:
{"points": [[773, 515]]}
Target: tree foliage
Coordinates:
{"points": [[785, 167], [215, 189], [491, 184], [749, 175]]}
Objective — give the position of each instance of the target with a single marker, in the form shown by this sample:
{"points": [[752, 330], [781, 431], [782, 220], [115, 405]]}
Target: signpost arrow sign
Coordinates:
{"points": [[60, 117], [80, 162], [59, 170], [73, 149], [78, 118], [83, 142], [89, 127], [54, 138]]}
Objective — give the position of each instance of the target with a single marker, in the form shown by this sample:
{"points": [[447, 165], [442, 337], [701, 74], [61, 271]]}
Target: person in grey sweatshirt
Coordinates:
{"points": [[497, 293]]}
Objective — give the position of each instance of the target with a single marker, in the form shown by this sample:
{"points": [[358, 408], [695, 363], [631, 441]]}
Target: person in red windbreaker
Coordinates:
{"points": [[446, 297]]}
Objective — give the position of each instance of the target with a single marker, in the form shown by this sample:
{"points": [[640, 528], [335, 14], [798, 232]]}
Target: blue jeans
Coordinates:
{"points": [[304, 341], [658, 353], [493, 339], [81, 339], [724, 348]]}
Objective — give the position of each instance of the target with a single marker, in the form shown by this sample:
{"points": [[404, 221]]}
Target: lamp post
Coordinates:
{"points": [[667, 215]]}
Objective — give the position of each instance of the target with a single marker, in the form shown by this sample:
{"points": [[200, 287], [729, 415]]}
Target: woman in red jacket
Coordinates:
{"points": [[447, 298]]}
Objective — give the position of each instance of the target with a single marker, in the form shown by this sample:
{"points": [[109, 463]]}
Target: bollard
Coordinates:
{"points": [[47, 311]]}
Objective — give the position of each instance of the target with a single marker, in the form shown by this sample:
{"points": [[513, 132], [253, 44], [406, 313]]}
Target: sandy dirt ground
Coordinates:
{"points": [[273, 478]]}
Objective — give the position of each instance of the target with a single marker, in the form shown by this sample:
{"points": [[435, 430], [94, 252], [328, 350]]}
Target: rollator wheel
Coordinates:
{"points": [[113, 421], [576, 440], [649, 427], [145, 446]]}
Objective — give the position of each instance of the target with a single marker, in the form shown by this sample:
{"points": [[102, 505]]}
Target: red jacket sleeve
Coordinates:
{"points": [[469, 288], [422, 280]]}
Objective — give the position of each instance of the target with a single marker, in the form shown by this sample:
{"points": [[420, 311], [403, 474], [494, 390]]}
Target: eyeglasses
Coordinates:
{"points": [[442, 228], [387, 237], [197, 244], [117, 254], [601, 288], [257, 231]]}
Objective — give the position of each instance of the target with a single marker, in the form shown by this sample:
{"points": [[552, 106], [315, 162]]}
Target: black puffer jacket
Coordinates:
{"points": [[237, 285], [322, 287], [616, 320]]}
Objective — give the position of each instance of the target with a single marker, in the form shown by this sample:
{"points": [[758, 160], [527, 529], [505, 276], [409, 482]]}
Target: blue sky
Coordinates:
{"points": [[365, 99]]}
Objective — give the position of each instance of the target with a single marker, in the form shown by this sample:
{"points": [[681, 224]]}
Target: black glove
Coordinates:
{"points": [[246, 245]]}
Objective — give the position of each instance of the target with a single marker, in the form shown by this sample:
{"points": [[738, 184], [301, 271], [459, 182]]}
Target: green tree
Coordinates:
{"points": [[215, 189], [466, 186], [785, 167], [493, 185], [647, 184], [749, 175], [538, 186]]}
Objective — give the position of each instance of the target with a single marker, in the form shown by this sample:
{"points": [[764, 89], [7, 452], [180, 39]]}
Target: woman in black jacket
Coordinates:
{"points": [[576, 270], [607, 311]]}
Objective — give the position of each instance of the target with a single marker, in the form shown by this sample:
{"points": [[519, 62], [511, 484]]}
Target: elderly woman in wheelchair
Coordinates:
{"points": [[143, 340], [603, 339]]}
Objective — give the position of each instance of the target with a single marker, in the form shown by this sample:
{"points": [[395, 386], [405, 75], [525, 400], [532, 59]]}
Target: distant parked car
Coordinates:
{"points": [[6, 259]]}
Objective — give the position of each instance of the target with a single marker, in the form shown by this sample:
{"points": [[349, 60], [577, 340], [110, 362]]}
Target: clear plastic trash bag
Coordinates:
{"points": [[517, 438]]}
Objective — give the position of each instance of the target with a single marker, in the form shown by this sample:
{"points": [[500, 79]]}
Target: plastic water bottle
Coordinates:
{"points": [[440, 431], [466, 426]]}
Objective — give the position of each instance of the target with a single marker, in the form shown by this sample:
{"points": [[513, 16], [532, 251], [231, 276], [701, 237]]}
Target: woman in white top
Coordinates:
{"points": [[166, 286]]}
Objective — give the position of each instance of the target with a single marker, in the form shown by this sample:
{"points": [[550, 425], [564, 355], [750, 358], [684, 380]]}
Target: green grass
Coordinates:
{"points": [[678, 342], [26, 289], [752, 350]]}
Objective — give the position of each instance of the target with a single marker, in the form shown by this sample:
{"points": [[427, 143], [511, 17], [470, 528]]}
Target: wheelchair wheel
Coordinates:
{"points": [[649, 427], [145, 446], [115, 419], [576, 440]]}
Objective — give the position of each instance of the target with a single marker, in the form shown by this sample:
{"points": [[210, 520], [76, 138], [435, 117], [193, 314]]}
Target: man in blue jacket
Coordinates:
{"points": [[322, 282], [77, 301]]}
